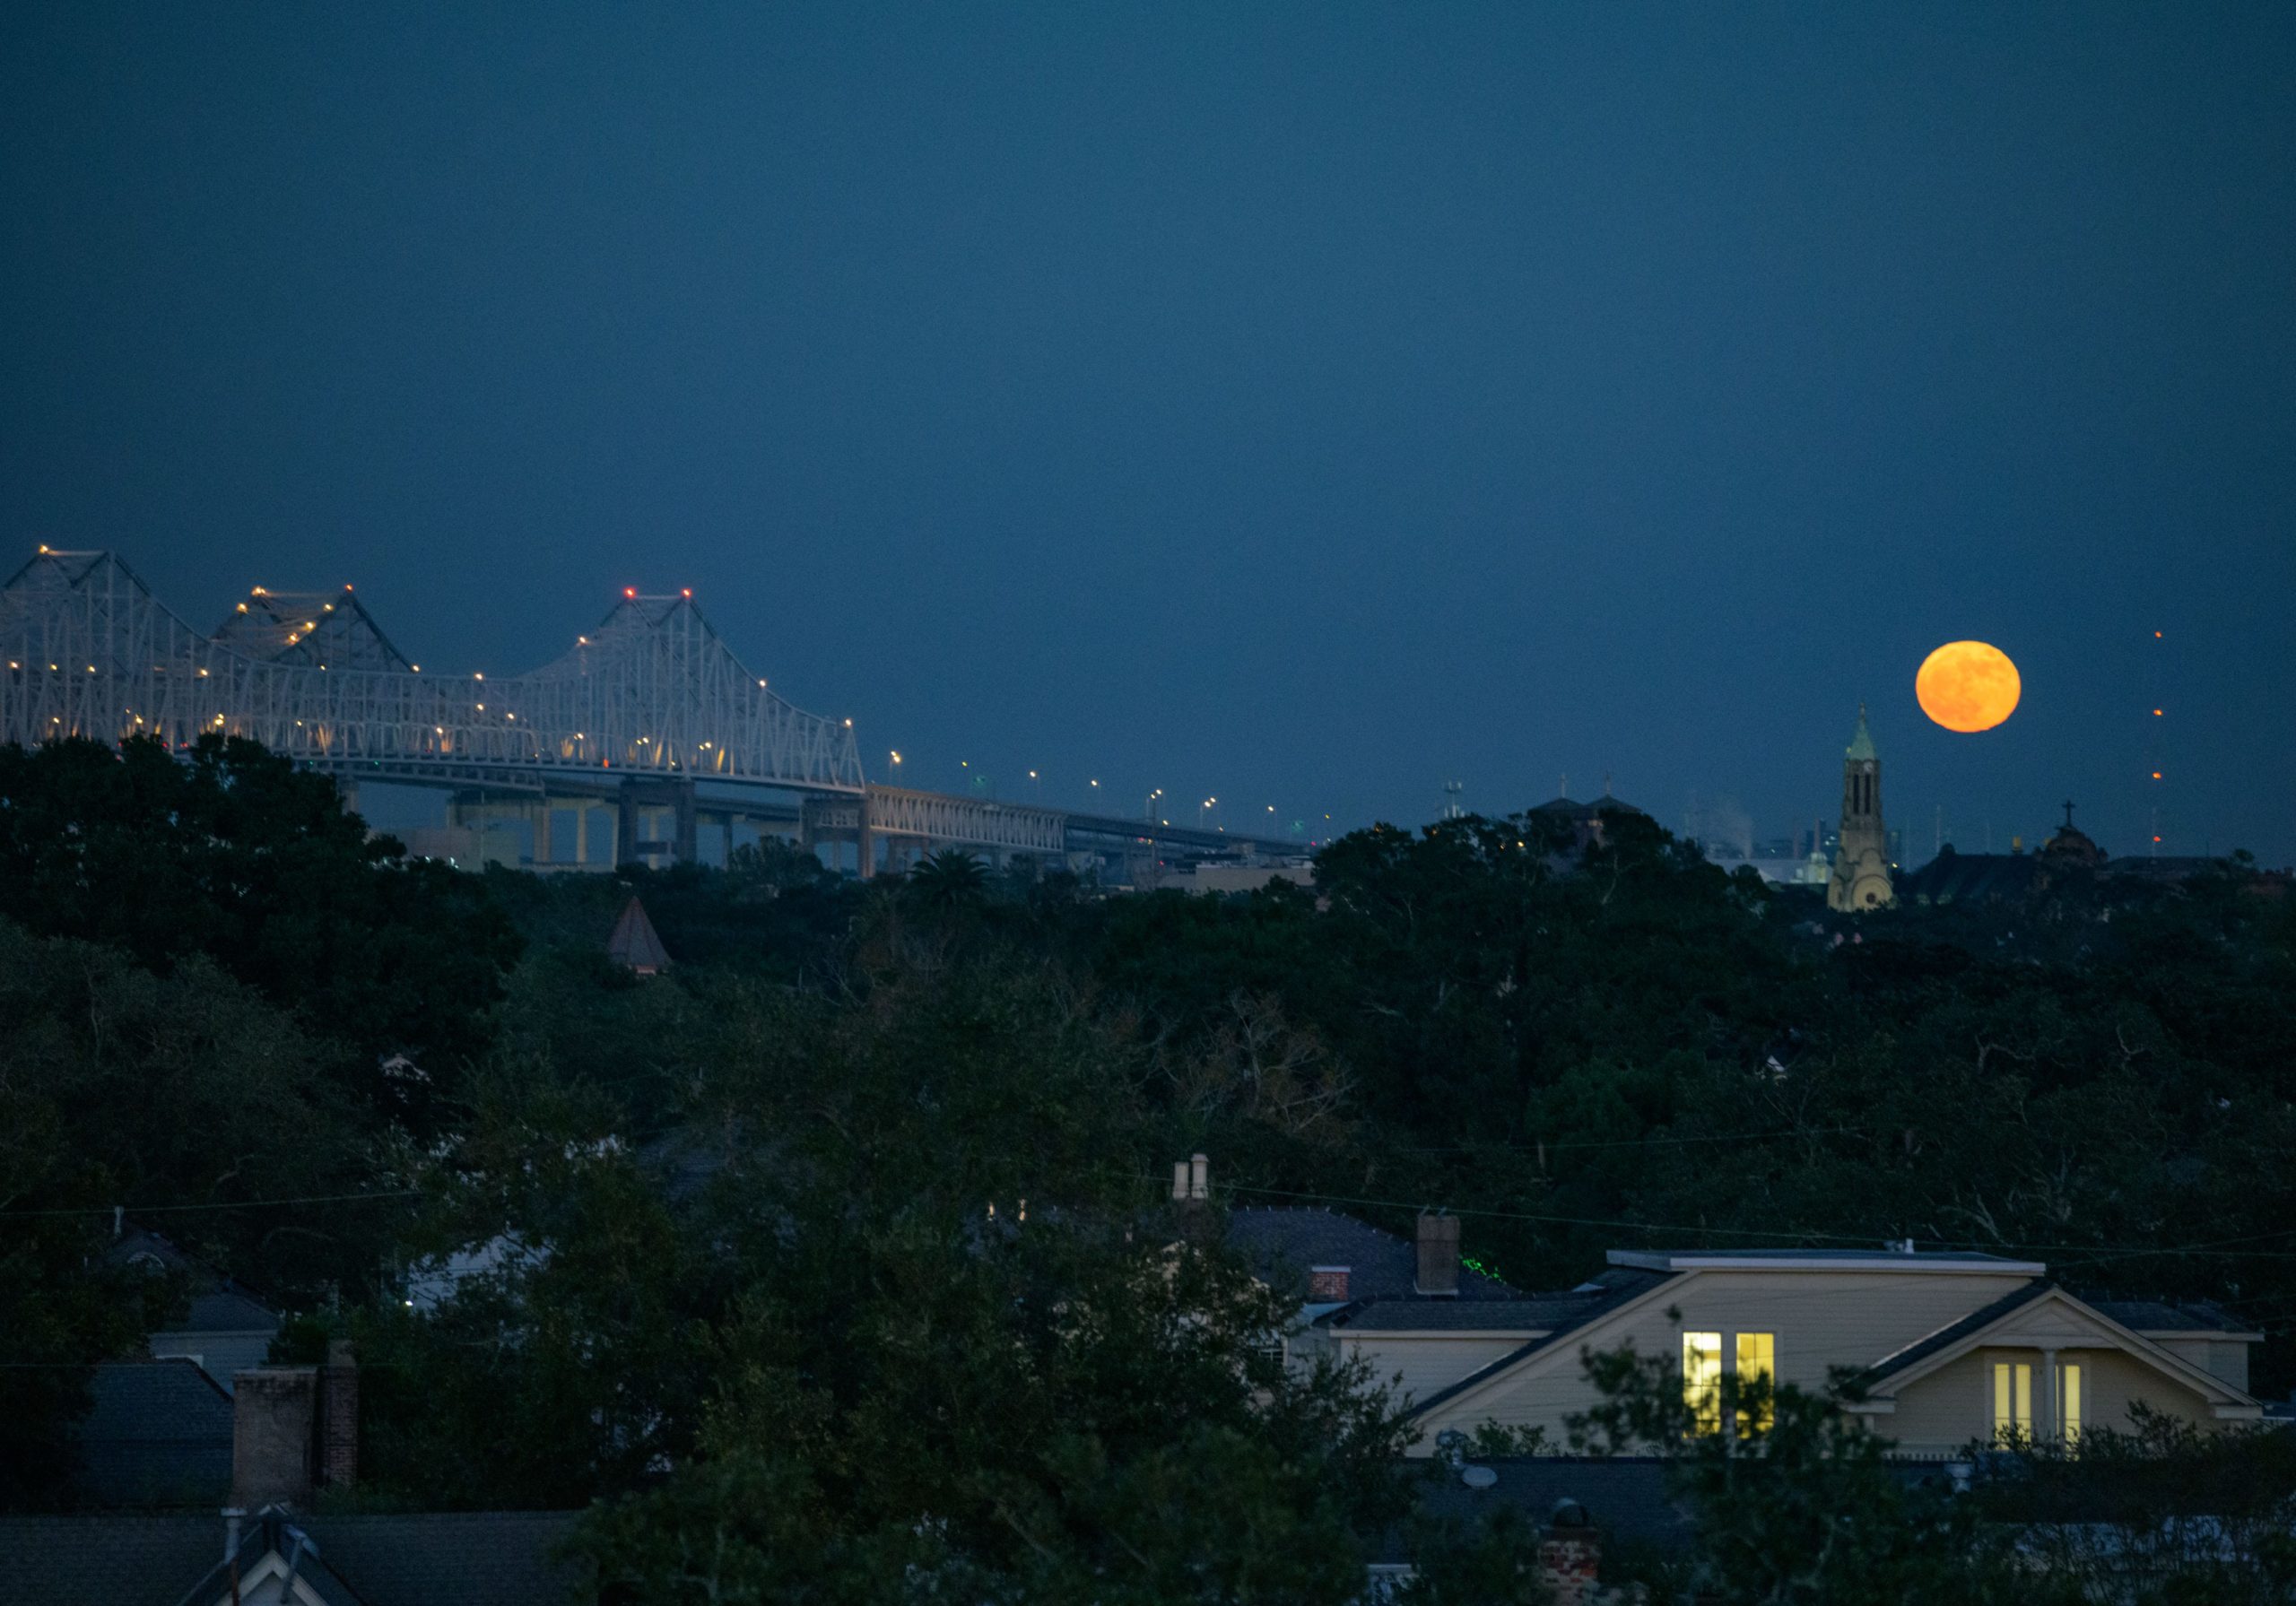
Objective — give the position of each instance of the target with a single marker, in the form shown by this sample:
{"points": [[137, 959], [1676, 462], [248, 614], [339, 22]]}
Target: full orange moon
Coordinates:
{"points": [[1968, 686]]}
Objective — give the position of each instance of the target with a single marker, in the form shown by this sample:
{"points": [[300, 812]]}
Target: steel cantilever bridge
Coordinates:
{"points": [[649, 719]]}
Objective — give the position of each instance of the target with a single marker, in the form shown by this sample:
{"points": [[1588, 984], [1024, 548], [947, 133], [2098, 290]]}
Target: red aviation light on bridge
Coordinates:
{"points": [[629, 591], [687, 594]]}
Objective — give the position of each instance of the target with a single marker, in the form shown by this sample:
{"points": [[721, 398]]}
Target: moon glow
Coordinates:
{"points": [[1968, 686]]}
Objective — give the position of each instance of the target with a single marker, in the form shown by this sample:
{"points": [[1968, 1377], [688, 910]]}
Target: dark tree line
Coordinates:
{"points": [[747, 1288]]}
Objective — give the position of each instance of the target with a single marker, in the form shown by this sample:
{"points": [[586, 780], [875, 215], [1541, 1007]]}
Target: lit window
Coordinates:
{"points": [[2068, 1404], [1757, 1358], [2013, 1401], [1702, 1380]]}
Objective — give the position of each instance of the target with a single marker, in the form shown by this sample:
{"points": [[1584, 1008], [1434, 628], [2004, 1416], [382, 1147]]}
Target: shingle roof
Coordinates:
{"points": [[1456, 1316], [1971, 878], [2163, 1315], [452, 1559], [1921, 1260], [1284, 1244], [464, 1558], [226, 1310], [1946, 1337], [1625, 1497], [1620, 1285], [160, 1434], [117, 1560]]}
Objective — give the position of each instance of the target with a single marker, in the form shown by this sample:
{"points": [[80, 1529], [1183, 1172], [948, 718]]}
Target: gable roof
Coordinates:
{"points": [[1952, 1333], [1286, 1243], [1959, 1338], [1622, 1288]]}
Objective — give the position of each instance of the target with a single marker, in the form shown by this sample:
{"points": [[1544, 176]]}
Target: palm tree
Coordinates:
{"points": [[949, 880]]}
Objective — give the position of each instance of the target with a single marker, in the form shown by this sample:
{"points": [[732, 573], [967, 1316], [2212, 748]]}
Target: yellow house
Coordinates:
{"points": [[1952, 1348]]}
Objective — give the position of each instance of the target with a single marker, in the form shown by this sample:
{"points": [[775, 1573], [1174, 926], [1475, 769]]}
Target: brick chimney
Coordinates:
{"points": [[1439, 1255], [1571, 1555], [339, 1416], [273, 1409]]}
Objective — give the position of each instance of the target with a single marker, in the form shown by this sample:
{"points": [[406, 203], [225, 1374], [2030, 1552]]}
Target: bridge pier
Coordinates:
{"points": [[643, 804]]}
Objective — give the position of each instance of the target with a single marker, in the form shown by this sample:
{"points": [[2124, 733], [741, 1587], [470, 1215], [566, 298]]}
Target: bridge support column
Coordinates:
{"points": [[542, 830], [626, 825], [683, 843]]}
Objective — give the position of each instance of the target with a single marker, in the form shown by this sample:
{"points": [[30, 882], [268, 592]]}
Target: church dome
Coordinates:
{"points": [[2069, 846]]}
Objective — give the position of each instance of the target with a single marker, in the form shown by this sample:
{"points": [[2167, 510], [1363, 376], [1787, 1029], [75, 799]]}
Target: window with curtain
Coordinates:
{"points": [[2068, 1403]]}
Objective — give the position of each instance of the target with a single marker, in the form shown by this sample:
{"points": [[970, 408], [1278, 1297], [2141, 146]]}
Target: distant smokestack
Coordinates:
{"points": [[1199, 1177], [1179, 1179], [1439, 1255]]}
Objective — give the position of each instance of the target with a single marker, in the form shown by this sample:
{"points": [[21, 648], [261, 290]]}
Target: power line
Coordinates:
{"points": [[156, 1210], [1723, 1137], [2093, 1250]]}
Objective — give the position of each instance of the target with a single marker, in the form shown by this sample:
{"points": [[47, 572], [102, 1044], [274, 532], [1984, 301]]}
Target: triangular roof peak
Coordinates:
{"points": [[634, 942], [2043, 1314]]}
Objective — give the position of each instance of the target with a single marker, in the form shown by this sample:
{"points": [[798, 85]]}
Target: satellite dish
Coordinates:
{"points": [[1478, 1477]]}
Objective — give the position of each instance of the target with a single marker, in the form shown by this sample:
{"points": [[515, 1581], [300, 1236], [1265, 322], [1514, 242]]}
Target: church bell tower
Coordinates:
{"points": [[1861, 864]]}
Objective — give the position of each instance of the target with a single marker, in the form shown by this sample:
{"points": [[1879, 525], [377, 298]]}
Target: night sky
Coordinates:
{"points": [[1304, 405]]}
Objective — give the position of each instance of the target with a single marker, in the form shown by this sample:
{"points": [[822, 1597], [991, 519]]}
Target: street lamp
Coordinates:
{"points": [[1200, 808], [1148, 805]]}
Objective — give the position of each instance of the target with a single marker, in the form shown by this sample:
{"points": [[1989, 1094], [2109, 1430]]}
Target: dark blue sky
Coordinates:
{"points": [[1302, 405]]}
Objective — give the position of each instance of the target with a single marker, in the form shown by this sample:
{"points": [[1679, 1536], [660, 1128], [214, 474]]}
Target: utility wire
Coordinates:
{"points": [[155, 1210], [2105, 1251], [1722, 1137]]}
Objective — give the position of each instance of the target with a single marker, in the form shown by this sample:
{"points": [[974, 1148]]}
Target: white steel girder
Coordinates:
{"points": [[652, 691]]}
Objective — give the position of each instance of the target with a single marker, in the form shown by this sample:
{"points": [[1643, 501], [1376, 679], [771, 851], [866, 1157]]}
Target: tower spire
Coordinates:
{"points": [[1861, 862]]}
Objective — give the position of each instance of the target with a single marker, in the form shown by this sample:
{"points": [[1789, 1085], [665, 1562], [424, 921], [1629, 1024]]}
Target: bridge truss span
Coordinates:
{"points": [[652, 691]]}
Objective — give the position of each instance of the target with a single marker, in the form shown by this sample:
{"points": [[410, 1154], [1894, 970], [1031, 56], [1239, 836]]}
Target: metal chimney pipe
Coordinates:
{"points": [[1199, 1179], [1179, 1179]]}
